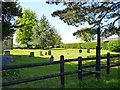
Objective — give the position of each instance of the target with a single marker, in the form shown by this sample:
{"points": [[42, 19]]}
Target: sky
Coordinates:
{"points": [[64, 30]]}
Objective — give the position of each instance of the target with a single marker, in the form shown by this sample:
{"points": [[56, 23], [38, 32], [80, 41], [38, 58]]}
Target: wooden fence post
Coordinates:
{"points": [[80, 68], [108, 63], [62, 69]]}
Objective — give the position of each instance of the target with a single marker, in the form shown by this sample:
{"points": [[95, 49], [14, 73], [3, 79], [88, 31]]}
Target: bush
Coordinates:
{"points": [[114, 46], [90, 45]]}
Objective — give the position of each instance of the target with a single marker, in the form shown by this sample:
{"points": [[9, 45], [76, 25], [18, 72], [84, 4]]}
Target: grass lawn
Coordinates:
{"points": [[71, 81]]}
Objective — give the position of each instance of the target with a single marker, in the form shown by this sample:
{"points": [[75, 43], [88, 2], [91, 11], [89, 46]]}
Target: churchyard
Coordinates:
{"points": [[22, 56]]}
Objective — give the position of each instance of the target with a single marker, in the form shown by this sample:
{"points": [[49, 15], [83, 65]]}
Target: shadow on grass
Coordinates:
{"points": [[71, 81]]}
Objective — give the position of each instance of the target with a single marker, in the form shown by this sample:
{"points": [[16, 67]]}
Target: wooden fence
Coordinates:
{"points": [[62, 73]]}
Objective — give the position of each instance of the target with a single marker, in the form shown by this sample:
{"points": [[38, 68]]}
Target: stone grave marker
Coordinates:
{"points": [[41, 53], [88, 50], [51, 58], [80, 51], [5, 61], [45, 53], [7, 53], [49, 52], [31, 54]]}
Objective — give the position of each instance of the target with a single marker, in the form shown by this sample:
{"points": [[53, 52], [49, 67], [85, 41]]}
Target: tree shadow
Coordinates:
{"points": [[88, 82]]}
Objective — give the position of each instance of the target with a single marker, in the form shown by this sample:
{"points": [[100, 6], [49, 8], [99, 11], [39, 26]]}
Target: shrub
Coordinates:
{"points": [[114, 46], [90, 45]]}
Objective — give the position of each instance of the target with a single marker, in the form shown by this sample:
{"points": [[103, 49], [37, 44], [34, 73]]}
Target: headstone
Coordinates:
{"points": [[80, 51], [49, 52], [31, 54], [7, 53], [45, 53], [51, 58], [11, 58], [5, 61], [41, 53], [88, 50]]}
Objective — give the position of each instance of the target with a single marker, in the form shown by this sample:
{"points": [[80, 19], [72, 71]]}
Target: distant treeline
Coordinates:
{"points": [[111, 45]]}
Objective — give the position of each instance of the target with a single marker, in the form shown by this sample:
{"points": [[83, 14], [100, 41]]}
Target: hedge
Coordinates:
{"points": [[114, 46], [90, 45]]}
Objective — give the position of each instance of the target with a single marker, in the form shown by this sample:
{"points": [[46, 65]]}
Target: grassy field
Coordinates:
{"points": [[22, 57]]}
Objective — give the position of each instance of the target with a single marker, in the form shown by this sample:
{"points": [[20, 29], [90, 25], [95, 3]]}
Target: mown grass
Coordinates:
{"points": [[71, 81]]}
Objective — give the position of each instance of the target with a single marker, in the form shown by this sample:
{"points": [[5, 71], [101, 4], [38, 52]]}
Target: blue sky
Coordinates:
{"points": [[66, 31], [63, 29]]}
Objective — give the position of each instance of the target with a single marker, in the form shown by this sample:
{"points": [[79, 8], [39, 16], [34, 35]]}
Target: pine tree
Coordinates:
{"points": [[43, 34], [101, 15]]}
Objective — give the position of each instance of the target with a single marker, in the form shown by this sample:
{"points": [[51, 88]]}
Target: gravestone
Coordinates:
{"points": [[45, 53], [41, 53], [88, 50], [80, 51], [51, 58], [31, 54], [7, 53], [5, 61], [49, 52]]}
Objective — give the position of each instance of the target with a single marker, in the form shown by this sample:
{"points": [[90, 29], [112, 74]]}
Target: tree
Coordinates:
{"points": [[10, 10], [58, 39], [43, 34], [93, 13], [24, 33], [84, 35]]}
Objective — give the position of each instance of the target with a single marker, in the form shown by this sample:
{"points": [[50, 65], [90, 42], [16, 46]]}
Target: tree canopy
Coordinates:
{"points": [[9, 11], [24, 33], [84, 35], [43, 34], [101, 15]]}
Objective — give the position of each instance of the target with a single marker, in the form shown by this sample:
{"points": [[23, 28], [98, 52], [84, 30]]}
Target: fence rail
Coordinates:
{"points": [[62, 73]]}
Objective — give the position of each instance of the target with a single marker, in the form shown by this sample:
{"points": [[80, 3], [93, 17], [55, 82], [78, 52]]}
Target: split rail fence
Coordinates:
{"points": [[62, 73]]}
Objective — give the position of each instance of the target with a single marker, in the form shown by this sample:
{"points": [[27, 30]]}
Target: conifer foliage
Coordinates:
{"points": [[101, 15]]}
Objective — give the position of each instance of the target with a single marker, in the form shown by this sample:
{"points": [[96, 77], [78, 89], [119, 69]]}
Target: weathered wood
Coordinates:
{"points": [[62, 69], [50, 76], [42, 77], [88, 66], [84, 59], [30, 65], [108, 63], [48, 63], [80, 68], [110, 66]]}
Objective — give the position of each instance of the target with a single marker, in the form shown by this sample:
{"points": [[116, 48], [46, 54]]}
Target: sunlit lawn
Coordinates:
{"points": [[22, 57]]}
